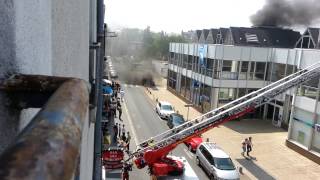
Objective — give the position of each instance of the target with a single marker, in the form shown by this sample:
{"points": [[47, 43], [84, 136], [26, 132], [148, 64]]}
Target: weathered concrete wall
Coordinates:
{"points": [[70, 38], [50, 38], [9, 119]]}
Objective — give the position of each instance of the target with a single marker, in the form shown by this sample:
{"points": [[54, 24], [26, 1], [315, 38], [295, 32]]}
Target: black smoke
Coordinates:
{"points": [[287, 13]]}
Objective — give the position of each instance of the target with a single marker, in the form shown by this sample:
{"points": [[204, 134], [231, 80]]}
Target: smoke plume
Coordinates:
{"points": [[287, 13]]}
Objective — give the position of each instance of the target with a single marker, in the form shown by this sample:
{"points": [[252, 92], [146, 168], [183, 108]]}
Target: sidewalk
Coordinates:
{"points": [[272, 158]]}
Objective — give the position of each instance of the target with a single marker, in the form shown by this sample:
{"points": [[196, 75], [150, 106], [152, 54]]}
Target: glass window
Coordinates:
{"points": [[260, 67], [224, 164], [227, 65], [244, 66], [166, 107]]}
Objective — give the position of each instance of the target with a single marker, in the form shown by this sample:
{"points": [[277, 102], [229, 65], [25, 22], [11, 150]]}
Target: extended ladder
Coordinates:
{"points": [[227, 112]]}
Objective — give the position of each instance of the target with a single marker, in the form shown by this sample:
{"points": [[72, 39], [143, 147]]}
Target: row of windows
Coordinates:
{"points": [[236, 70]]}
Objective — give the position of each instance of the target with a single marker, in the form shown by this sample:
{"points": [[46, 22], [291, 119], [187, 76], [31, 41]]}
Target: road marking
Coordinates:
{"points": [[188, 153], [131, 124]]}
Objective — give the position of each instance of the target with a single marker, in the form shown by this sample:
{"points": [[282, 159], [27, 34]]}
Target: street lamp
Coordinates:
{"points": [[188, 106]]}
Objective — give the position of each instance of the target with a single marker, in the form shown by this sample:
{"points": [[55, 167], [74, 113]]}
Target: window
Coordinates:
{"points": [[260, 67], [251, 37], [166, 107], [244, 66], [208, 156], [227, 66], [224, 163]]}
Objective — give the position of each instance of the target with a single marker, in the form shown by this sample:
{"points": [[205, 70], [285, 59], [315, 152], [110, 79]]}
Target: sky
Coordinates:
{"points": [[177, 15]]}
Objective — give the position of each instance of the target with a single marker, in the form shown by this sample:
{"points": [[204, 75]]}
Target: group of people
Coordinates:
{"points": [[112, 102], [246, 146], [121, 136]]}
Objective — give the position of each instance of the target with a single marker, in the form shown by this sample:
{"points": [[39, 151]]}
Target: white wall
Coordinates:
{"points": [[260, 54]]}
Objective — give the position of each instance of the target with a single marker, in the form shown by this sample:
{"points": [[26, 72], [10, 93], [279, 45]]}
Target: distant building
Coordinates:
{"points": [[239, 60]]}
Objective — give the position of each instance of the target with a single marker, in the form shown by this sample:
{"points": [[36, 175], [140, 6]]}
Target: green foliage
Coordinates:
{"points": [[143, 43]]}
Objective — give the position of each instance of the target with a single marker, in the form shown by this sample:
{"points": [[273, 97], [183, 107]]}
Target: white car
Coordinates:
{"points": [[216, 162], [164, 109]]}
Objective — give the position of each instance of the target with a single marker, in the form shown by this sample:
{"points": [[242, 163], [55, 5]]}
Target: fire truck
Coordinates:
{"points": [[153, 152]]}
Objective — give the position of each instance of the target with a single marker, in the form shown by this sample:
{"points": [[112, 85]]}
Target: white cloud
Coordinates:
{"points": [[177, 15]]}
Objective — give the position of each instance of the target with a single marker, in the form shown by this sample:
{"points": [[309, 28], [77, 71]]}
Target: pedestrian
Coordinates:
{"points": [[115, 132], [249, 146], [120, 112], [107, 139], [122, 94], [244, 146], [114, 107], [128, 141], [123, 129], [125, 171], [123, 137], [119, 130]]}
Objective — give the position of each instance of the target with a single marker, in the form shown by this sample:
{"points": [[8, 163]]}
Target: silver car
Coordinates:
{"points": [[215, 162]]}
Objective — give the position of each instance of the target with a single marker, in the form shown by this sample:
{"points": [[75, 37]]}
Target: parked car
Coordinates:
{"points": [[176, 119], [164, 109], [216, 162]]}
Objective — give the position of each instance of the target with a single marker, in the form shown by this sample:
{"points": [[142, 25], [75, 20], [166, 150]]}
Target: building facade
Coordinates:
{"points": [[225, 64]]}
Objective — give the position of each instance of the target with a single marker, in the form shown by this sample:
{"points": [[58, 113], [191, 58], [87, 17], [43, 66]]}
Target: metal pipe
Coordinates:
{"points": [[49, 147], [97, 175], [98, 134]]}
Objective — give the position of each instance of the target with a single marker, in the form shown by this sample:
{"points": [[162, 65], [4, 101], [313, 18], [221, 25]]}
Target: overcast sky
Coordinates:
{"points": [[177, 15]]}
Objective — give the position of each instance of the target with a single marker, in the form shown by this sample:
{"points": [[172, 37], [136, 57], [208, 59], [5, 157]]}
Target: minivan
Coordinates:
{"points": [[216, 163]]}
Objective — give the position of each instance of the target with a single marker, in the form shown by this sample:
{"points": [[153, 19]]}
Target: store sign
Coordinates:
{"points": [[112, 158], [317, 127]]}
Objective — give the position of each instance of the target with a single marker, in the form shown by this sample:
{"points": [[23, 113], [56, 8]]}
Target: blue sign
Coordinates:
{"points": [[202, 52]]}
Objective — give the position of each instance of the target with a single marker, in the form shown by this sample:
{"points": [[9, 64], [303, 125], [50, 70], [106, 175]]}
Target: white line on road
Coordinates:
{"points": [[188, 153], [131, 124]]}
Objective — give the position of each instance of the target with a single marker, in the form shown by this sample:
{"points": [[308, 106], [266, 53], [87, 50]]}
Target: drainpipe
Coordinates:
{"points": [[49, 147], [97, 175]]}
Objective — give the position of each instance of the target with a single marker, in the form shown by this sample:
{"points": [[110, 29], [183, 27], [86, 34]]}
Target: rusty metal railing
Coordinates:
{"points": [[49, 147]]}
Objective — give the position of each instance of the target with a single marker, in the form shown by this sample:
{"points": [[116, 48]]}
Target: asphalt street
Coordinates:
{"points": [[139, 114]]}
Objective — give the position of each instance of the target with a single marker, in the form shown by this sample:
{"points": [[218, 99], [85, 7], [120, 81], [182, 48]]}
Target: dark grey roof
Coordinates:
{"points": [[204, 35], [223, 32], [198, 33], [314, 32], [212, 36], [264, 37]]}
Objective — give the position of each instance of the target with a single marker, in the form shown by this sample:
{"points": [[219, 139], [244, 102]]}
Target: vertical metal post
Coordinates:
{"points": [[315, 115], [188, 114], [97, 138]]}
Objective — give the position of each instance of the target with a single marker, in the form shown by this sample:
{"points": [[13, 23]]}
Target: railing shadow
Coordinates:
{"points": [[254, 169]]}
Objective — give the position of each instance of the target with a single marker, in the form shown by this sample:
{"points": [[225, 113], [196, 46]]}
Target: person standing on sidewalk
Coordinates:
{"points": [[122, 94], [119, 130], [120, 112], [244, 146], [128, 141], [249, 146], [119, 109], [115, 132]]}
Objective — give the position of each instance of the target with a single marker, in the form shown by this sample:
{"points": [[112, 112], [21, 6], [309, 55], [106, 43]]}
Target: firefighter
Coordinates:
{"points": [[125, 170]]}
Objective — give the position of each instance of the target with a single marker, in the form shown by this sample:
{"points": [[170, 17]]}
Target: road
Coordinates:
{"points": [[139, 113]]}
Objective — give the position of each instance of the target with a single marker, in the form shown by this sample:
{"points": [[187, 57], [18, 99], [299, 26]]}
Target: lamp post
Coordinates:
{"points": [[188, 106]]}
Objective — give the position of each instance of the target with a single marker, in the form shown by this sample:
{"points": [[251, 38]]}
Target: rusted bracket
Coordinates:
{"points": [[49, 147]]}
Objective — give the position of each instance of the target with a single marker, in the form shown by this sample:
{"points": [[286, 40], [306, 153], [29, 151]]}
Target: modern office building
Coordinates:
{"points": [[224, 64]]}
